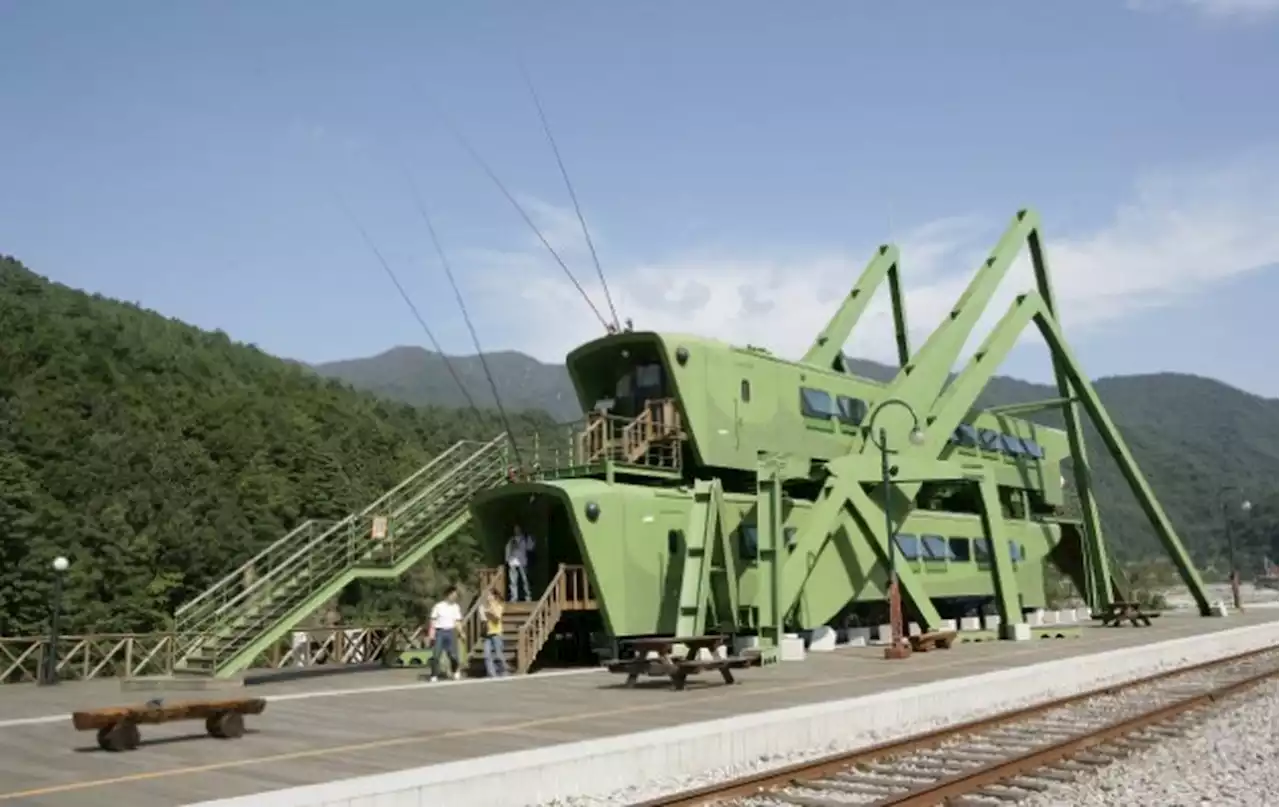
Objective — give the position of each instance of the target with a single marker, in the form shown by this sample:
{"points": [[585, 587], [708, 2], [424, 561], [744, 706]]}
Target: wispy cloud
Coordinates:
{"points": [[1178, 234], [1243, 10]]}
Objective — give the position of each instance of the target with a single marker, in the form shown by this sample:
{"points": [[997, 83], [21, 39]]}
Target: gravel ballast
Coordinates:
{"points": [[1228, 760]]}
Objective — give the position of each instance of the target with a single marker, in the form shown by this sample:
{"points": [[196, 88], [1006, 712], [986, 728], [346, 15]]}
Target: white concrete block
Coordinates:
{"points": [[971, 623], [913, 629], [822, 640], [1018, 632], [884, 633], [1034, 618], [791, 648], [1219, 608], [859, 637], [1067, 616], [1048, 617], [991, 622], [947, 625], [1084, 614], [742, 643]]}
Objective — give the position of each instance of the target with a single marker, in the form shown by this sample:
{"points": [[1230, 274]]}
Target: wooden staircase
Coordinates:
{"points": [[526, 626]]}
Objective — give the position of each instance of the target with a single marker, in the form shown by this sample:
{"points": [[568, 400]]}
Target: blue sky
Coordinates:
{"points": [[737, 164]]}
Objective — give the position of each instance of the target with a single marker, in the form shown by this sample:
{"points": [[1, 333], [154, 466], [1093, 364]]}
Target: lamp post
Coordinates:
{"points": [[50, 671], [897, 648], [1245, 507]]}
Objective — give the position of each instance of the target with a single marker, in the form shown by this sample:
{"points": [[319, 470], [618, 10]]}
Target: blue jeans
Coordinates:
{"points": [[446, 642], [495, 663], [517, 574]]}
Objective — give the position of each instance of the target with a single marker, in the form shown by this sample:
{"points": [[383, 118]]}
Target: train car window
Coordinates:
{"points": [[959, 549], [1013, 445], [748, 542], [851, 411], [909, 546], [1033, 448], [935, 547], [746, 391], [966, 435], [989, 439], [649, 376], [815, 403], [982, 550]]}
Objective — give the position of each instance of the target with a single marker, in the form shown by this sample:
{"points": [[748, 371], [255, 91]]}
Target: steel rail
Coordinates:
{"points": [[758, 784]]}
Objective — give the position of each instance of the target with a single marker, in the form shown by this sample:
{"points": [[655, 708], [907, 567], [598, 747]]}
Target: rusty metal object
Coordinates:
{"points": [[999, 770]]}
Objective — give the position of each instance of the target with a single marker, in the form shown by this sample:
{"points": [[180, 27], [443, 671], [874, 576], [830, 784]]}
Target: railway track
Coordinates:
{"points": [[1001, 760]]}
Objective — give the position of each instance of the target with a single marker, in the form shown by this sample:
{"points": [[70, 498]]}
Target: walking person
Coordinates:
{"points": [[443, 633], [519, 546], [495, 662]]}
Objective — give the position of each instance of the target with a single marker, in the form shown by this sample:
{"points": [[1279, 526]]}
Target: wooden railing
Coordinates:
{"points": [[569, 590], [131, 655]]}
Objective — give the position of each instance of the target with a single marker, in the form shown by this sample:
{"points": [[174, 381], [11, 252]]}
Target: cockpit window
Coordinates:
{"points": [[649, 376]]}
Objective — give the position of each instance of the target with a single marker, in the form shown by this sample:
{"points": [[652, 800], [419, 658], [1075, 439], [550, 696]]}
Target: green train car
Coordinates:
{"points": [[714, 487]]}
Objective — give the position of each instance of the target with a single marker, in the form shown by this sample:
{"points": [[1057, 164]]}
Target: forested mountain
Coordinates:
{"points": [[1191, 436], [158, 457]]}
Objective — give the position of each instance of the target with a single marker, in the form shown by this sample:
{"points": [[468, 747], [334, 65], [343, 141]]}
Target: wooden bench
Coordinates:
{"points": [[117, 726], [1118, 612], [939, 640], [677, 669]]}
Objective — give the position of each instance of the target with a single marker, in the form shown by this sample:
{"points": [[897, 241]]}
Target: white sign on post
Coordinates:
{"points": [[379, 528]]}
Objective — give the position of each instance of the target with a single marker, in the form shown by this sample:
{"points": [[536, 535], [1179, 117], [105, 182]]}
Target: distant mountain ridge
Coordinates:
{"points": [[1190, 435]]}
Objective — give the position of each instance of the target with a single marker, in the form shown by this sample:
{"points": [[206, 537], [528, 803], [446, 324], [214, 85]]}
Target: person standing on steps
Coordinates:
{"points": [[443, 633], [519, 546], [495, 663]]}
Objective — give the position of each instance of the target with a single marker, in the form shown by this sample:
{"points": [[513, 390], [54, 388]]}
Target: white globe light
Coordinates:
{"points": [[916, 437], [1246, 505], [60, 564]]}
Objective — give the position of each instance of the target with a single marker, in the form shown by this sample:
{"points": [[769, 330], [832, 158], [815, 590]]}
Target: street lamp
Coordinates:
{"points": [[897, 649], [1245, 507], [50, 672]]}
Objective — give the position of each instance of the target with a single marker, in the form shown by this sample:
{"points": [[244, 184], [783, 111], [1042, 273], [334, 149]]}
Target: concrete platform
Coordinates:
{"points": [[314, 731]]}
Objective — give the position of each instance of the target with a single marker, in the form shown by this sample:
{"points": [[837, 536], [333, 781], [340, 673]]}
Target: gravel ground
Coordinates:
{"points": [[1230, 760]]}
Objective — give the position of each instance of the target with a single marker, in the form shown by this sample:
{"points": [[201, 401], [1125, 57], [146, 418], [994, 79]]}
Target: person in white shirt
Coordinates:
{"points": [[443, 633], [519, 546]]}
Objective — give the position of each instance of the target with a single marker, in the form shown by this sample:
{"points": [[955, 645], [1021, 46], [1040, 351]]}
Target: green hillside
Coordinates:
{"points": [[1190, 435], [157, 457]]}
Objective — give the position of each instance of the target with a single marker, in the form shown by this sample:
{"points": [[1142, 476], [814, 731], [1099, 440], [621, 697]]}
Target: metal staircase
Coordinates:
{"points": [[241, 615]]}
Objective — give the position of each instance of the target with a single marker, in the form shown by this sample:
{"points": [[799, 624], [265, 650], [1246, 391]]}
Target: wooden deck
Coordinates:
{"points": [[358, 724]]}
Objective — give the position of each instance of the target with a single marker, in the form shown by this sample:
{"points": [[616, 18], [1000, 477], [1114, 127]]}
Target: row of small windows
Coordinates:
{"points": [[817, 403], [912, 547], [970, 436], [939, 548]]}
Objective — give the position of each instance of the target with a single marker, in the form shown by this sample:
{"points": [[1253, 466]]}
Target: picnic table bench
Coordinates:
{"points": [[933, 640], [1118, 612], [117, 726], [666, 663]]}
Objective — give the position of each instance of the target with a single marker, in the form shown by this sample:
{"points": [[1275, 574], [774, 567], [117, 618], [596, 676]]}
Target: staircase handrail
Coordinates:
{"points": [[275, 572], [338, 555], [541, 621], [289, 536]]}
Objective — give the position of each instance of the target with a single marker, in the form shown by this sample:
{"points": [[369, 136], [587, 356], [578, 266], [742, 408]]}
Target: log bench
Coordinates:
{"points": [[678, 669], [117, 726]]}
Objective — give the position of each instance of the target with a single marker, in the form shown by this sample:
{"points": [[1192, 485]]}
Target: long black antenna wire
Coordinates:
{"points": [[577, 208], [484, 166], [462, 306], [409, 302]]}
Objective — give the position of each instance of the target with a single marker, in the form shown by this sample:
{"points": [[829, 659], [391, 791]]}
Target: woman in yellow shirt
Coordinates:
{"points": [[495, 662]]}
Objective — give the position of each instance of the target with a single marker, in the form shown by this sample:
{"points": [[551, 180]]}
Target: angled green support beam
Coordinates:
{"points": [[1029, 407], [1005, 581], [870, 517], [828, 348], [1128, 467], [924, 377]]}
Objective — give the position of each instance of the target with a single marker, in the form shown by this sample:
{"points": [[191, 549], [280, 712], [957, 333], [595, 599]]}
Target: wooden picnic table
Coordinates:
{"points": [[666, 663], [1118, 612]]}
